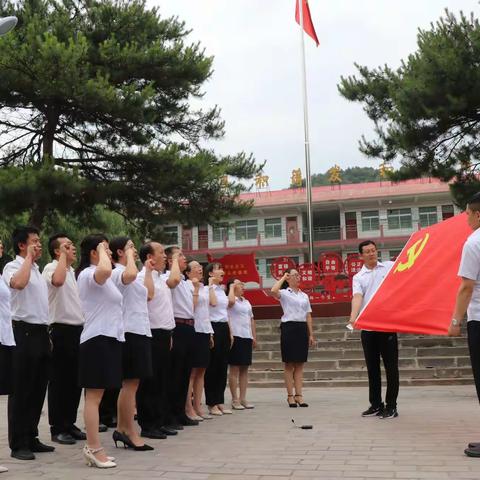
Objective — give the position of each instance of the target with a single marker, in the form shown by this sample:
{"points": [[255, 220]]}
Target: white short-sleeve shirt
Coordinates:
{"points": [[470, 268], [366, 281], [219, 313], [295, 305], [134, 305], [201, 314], [6, 330], [160, 308], [240, 316], [102, 307], [182, 297], [30, 304], [63, 302]]}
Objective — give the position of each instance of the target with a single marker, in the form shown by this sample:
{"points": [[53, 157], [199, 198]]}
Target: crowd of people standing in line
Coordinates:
{"points": [[142, 345]]}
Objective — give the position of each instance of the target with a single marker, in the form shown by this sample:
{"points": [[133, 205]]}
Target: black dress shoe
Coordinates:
{"points": [[155, 434], [39, 447], [174, 426], [109, 422], [77, 434], [188, 422], [23, 454], [168, 431], [64, 439], [102, 428]]}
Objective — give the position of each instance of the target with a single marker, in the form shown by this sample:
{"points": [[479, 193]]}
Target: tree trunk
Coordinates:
{"points": [[49, 133]]}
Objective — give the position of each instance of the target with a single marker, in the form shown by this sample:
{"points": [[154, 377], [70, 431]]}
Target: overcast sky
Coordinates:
{"points": [[257, 78]]}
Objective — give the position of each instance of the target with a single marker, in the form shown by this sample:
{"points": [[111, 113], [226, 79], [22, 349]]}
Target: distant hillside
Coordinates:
{"points": [[349, 175]]}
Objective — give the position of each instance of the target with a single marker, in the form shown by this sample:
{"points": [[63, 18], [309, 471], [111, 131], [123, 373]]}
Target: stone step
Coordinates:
{"points": [[405, 373], [405, 382]]}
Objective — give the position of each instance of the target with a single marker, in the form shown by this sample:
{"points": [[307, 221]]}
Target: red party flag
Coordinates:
{"points": [[239, 266], [307, 19], [418, 294]]}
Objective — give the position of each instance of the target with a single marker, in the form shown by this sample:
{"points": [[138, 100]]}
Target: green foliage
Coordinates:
{"points": [[349, 175], [95, 101], [426, 112]]}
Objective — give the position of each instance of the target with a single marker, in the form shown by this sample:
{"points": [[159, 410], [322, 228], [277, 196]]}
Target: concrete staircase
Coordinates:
{"points": [[337, 359]]}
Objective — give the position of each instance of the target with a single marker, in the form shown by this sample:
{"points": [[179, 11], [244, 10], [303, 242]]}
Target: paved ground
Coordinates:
{"points": [[425, 442]]}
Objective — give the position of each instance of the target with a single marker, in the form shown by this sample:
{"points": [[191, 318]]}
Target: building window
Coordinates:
{"points": [[246, 230], [370, 221], [220, 232], [447, 211], [428, 216], [399, 218], [273, 227], [394, 254], [170, 235]]}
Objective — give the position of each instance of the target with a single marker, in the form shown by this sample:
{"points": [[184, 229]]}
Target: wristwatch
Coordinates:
{"points": [[455, 322]]}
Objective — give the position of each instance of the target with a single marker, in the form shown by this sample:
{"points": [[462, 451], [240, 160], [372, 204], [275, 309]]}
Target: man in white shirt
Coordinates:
{"points": [[31, 357], [376, 345], [468, 299], [66, 325], [153, 407], [183, 335]]}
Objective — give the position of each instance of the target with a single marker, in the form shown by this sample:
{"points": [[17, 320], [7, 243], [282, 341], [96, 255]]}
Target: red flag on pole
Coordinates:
{"points": [[418, 294], [307, 19]]}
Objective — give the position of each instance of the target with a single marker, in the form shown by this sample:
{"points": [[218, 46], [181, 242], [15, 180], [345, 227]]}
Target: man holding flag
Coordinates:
{"points": [[376, 344], [468, 299]]}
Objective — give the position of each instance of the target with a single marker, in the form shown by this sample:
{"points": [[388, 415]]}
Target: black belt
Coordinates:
{"points": [[184, 321], [29, 326]]}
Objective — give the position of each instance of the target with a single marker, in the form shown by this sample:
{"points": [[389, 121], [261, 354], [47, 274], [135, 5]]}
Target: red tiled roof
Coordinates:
{"points": [[354, 191]]}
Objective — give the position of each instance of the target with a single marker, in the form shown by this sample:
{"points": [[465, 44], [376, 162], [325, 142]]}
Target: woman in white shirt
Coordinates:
{"points": [[202, 298], [137, 349], [216, 374], [7, 343], [242, 326], [296, 333], [101, 340]]}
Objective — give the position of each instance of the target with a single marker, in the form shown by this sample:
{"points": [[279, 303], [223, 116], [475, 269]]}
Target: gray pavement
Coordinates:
{"points": [[425, 442]]}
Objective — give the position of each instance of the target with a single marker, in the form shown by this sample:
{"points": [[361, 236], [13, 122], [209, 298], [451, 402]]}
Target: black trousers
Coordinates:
{"points": [[216, 374], [183, 344], [473, 333], [63, 390], [384, 345], [107, 410], [30, 364], [153, 406]]}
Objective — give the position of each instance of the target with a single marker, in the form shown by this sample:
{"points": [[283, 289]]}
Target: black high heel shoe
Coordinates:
{"points": [[302, 403], [127, 443], [291, 405]]}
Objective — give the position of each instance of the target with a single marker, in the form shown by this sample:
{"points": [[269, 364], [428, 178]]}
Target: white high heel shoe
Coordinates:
{"points": [[3, 469], [92, 461]]}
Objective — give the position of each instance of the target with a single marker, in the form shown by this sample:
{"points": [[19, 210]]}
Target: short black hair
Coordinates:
{"points": [[20, 235], [145, 250], [117, 243], [53, 243], [364, 244], [169, 250], [474, 202]]}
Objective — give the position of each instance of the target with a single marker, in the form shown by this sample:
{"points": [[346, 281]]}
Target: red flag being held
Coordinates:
{"points": [[418, 294], [307, 19], [239, 266]]}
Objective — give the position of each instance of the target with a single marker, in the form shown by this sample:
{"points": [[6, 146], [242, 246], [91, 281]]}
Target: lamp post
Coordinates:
{"points": [[7, 24]]}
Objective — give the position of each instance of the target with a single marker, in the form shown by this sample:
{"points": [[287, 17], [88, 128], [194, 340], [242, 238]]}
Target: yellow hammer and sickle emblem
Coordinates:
{"points": [[412, 254]]}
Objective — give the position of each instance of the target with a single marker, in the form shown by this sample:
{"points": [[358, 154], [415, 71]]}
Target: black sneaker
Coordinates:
{"points": [[389, 413], [373, 411]]}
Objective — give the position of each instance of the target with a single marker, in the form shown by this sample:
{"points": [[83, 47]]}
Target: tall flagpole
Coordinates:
{"points": [[307, 139]]}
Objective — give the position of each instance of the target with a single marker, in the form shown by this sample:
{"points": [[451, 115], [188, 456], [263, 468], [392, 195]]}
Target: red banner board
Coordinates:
{"points": [[418, 295], [239, 266]]}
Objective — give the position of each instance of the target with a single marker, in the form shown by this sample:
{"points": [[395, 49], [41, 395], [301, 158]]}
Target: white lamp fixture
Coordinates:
{"points": [[7, 24]]}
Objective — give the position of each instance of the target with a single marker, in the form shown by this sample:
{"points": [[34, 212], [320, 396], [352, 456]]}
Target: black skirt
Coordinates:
{"points": [[137, 356], [241, 352], [100, 363], [201, 350], [294, 342], [6, 369]]}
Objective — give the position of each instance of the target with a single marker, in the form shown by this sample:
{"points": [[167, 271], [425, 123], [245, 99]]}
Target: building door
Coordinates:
{"points": [[351, 224], [292, 230], [202, 237], [447, 211], [186, 238]]}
